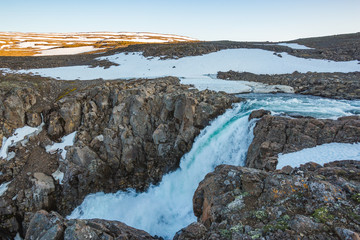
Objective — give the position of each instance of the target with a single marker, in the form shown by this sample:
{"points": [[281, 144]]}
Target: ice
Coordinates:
{"points": [[4, 187], [321, 154], [67, 140], [19, 135]]}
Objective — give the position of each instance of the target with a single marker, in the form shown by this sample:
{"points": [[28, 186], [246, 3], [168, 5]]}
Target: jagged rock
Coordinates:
{"points": [[346, 234], [244, 203], [44, 226], [195, 230], [303, 224], [275, 134], [146, 126], [259, 114], [129, 134], [43, 191]]}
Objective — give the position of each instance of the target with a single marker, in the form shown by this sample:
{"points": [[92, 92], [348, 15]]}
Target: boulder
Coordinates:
{"points": [[243, 203], [43, 191], [51, 225]]}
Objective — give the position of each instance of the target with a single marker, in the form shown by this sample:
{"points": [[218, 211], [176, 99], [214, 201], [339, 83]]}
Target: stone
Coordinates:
{"points": [[45, 225], [193, 231], [346, 234], [259, 114], [43, 191], [51, 225], [277, 205]]}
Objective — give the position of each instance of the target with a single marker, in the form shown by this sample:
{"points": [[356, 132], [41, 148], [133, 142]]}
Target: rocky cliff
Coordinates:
{"points": [[276, 134], [310, 202], [128, 135]]}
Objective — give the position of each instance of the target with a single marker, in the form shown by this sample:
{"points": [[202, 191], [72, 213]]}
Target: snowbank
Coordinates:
{"points": [[321, 154]]}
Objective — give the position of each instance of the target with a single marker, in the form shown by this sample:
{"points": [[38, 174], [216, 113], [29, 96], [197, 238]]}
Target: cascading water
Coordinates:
{"points": [[166, 208]]}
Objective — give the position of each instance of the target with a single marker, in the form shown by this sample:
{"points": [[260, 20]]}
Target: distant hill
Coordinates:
{"points": [[50, 44]]}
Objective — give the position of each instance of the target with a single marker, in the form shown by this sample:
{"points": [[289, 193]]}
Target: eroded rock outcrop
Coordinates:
{"points": [[310, 202], [276, 134], [128, 135], [45, 225]]}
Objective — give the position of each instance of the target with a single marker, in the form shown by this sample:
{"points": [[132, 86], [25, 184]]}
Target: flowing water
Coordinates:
{"points": [[166, 208]]}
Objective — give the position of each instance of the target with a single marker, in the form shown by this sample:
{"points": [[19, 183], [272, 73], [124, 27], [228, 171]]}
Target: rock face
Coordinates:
{"points": [[128, 135], [312, 201], [275, 134], [331, 85], [51, 225]]}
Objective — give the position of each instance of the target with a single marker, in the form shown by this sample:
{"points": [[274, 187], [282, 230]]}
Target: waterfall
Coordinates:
{"points": [[166, 208]]}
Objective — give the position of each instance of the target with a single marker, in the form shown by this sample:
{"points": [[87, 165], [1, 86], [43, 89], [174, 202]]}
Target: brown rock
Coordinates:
{"points": [[259, 114]]}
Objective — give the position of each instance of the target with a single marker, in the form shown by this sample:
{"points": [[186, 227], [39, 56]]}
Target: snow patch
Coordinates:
{"points": [[67, 140], [66, 51], [320, 154], [58, 175], [294, 46], [20, 134], [4, 187], [258, 61], [235, 86], [17, 237]]}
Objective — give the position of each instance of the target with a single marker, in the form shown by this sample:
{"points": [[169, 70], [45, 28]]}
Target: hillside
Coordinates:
{"points": [[49, 44]]}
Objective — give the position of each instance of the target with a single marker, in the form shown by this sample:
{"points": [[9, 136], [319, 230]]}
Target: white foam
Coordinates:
{"points": [[67, 140], [321, 154]]}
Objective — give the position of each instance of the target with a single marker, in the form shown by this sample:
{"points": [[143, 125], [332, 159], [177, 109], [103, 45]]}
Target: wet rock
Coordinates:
{"points": [[275, 134]]}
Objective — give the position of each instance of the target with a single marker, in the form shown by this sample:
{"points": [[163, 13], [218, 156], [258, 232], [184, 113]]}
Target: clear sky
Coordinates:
{"points": [[241, 20]]}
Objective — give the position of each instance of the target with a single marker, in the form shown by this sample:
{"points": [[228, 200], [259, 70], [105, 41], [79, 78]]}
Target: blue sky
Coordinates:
{"points": [[205, 20]]}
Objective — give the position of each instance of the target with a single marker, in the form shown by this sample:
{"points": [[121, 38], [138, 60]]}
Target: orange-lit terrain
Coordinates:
{"points": [[47, 44]]}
